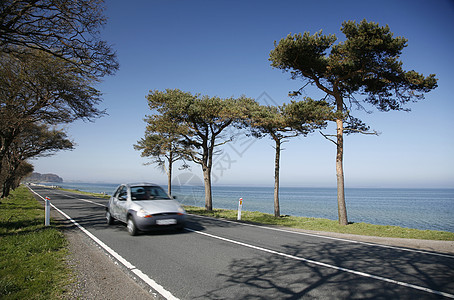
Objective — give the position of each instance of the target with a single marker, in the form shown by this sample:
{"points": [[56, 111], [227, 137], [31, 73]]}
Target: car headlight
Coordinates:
{"points": [[142, 213]]}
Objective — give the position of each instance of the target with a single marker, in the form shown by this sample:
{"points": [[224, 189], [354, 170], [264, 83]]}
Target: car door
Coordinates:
{"points": [[121, 203], [114, 202]]}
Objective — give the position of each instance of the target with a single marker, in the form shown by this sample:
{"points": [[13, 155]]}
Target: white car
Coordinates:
{"points": [[144, 207]]}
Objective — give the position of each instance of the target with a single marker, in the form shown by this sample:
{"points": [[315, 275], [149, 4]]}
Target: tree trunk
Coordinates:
{"points": [[277, 211], [8, 182], [6, 188], [341, 207], [207, 181], [169, 174], [7, 138]]}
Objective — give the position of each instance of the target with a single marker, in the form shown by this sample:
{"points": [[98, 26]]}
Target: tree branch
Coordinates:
{"points": [[328, 137], [362, 131]]}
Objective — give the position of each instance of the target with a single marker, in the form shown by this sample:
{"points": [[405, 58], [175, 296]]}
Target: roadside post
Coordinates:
{"points": [[47, 212], [240, 206]]}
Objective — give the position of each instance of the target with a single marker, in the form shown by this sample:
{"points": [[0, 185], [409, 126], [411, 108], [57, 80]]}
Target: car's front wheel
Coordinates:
{"points": [[109, 218], [132, 229]]}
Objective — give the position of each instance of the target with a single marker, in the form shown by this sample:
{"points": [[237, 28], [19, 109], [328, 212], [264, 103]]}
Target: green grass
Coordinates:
{"points": [[32, 256], [319, 224], [99, 195]]}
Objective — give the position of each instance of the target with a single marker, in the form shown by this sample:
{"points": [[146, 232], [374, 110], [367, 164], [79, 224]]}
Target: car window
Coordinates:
{"points": [[148, 193], [123, 194], [117, 191]]}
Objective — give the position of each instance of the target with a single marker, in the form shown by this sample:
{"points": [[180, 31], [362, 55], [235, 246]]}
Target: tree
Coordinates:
{"points": [[366, 64], [45, 90], [200, 123], [284, 122], [32, 141], [50, 56], [162, 145], [65, 29]]}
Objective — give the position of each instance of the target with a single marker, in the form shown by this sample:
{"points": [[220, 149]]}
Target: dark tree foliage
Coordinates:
{"points": [[45, 90], [365, 65], [161, 144], [199, 122], [51, 55], [32, 141], [66, 29]]}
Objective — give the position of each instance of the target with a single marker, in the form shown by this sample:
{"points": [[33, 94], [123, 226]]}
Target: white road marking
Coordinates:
{"points": [[326, 265], [153, 284], [85, 200], [330, 238]]}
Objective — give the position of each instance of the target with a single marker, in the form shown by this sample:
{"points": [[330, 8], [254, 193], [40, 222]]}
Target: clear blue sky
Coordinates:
{"points": [[221, 48]]}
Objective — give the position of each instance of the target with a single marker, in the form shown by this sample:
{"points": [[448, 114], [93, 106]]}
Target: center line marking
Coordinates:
{"points": [[417, 287]]}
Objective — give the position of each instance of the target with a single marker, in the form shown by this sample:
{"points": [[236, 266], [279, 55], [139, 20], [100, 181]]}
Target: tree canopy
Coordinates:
{"points": [[31, 141], [51, 56], [48, 90], [162, 144], [199, 122], [66, 29]]}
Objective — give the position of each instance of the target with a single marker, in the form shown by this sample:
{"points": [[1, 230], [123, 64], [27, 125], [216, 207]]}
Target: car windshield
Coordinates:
{"points": [[148, 193]]}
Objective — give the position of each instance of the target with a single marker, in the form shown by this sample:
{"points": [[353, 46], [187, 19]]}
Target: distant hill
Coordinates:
{"points": [[37, 177]]}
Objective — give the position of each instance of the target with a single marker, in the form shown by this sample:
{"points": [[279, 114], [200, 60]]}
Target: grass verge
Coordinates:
{"points": [[99, 195], [318, 224], [32, 256]]}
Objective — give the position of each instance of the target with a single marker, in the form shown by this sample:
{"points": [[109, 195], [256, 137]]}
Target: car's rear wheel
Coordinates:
{"points": [[109, 218], [131, 226]]}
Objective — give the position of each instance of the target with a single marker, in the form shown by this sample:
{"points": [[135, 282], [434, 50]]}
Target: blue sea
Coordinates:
{"points": [[413, 208]]}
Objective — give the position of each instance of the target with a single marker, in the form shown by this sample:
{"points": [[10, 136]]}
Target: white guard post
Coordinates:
{"points": [[240, 206], [47, 213]]}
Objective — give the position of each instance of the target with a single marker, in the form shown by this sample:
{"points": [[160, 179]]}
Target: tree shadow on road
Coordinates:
{"points": [[273, 276]]}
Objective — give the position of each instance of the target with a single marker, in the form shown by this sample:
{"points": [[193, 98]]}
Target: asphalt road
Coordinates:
{"points": [[216, 259]]}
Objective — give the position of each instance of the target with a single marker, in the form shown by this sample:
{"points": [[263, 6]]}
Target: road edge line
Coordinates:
{"points": [[153, 284]]}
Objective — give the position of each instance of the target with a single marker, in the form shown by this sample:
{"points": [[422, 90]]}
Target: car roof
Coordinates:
{"points": [[141, 184]]}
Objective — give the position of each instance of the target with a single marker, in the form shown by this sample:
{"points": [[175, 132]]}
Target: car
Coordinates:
{"points": [[144, 207]]}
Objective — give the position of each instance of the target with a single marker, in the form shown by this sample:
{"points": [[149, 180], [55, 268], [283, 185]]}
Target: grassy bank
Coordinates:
{"points": [[31, 256], [319, 224], [99, 195]]}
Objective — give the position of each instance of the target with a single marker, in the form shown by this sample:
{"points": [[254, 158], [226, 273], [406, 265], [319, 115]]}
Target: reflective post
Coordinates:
{"points": [[47, 213], [240, 206]]}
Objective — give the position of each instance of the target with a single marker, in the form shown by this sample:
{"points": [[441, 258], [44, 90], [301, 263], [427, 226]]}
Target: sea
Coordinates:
{"points": [[412, 208]]}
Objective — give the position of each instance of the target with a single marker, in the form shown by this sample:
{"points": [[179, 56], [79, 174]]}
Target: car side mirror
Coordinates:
{"points": [[122, 198]]}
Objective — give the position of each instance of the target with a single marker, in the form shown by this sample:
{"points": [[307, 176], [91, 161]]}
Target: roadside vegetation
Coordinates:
{"points": [[51, 58], [32, 256], [319, 224], [99, 195]]}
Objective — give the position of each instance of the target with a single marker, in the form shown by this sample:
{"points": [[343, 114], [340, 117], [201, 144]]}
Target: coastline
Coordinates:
{"points": [[422, 209]]}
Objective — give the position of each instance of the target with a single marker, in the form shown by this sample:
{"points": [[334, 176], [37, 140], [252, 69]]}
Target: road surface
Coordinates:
{"points": [[216, 259]]}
